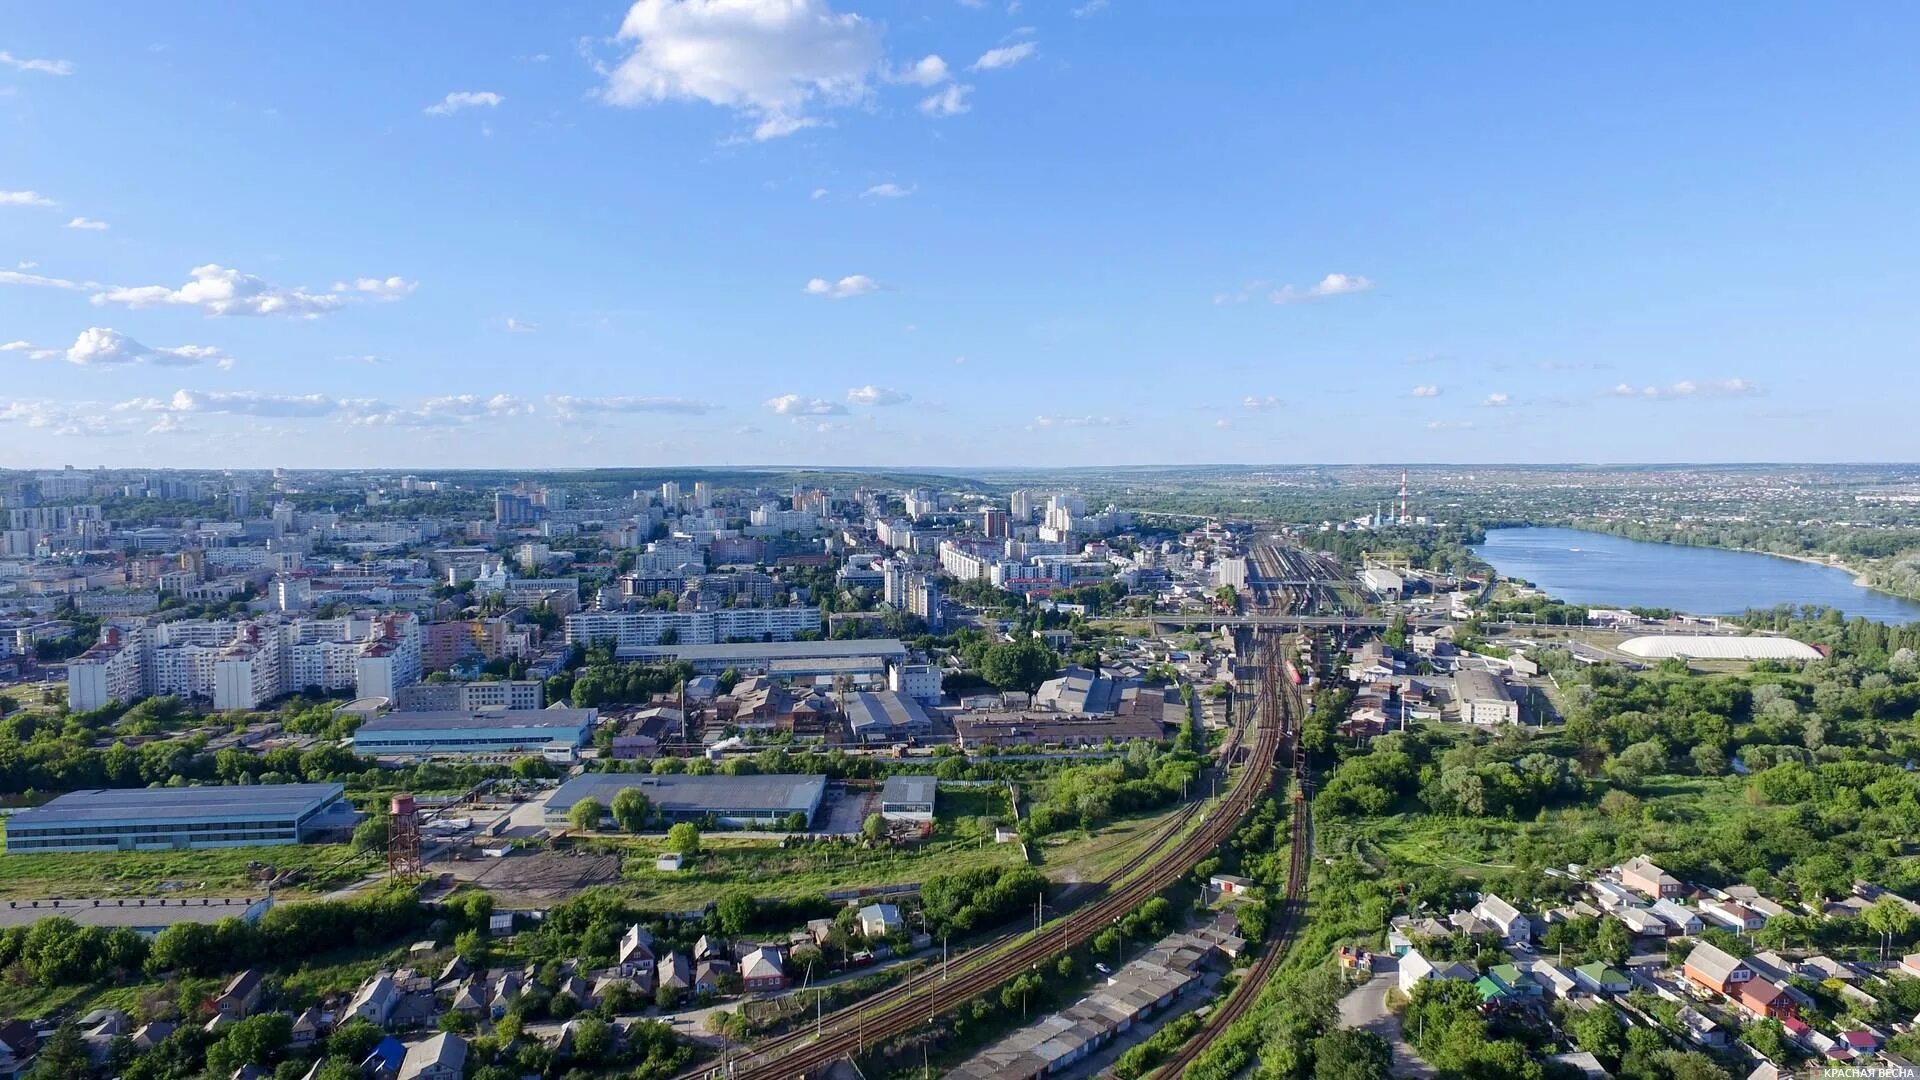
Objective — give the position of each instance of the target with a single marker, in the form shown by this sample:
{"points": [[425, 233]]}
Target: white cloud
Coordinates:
{"points": [[25, 198], [16, 346], [390, 288], [448, 411], [799, 405], [1243, 294], [16, 277], [98, 345], [1005, 56], [58, 419], [1331, 285], [769, 59], [1688, 388], [929, 70], [1090, 8], [886, 191], [1256, 402], [43, 67], [1449, 425], [851, 285], [1426, 390], [1223, 422], [1497, 400], [568, 405], [464, 99], [819, 193], [1079, 421], [237, 402], [88, 223], [518, 326], [219, 290], [877, 395], [949, 102]]}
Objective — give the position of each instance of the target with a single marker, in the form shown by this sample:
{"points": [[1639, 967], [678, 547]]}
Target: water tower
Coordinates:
{"points": [[403, 840]]}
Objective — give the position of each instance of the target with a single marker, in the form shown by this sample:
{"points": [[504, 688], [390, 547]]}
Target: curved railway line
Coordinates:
{"points": [[1254, 980], [849, 1031]]}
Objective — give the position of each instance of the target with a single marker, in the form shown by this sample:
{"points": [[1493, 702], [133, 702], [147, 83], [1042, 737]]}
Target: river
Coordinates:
{"points": [[1600, 570]]}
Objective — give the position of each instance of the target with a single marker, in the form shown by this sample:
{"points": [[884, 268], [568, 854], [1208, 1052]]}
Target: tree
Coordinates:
{"points": [[1021, 665], [1599, 1032], [586, 814], [592, 1038], [735, 911], [1351, 1054], [684, 838], [632, 809], [1769, 1038], [874, 828], [665, 998], [253, 1041], [1396, 634], [1889, 918], [372, 834], [63, 1057]]}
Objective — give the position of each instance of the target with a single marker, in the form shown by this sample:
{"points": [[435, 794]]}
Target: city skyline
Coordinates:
{"points": [[951, 235]]}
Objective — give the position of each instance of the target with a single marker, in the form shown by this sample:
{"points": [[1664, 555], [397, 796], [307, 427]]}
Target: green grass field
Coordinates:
{"points": [[207, 872]]}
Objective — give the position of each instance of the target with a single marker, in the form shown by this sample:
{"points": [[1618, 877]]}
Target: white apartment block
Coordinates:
{"points": [[627, 628], [106, 673], [964, 564]]}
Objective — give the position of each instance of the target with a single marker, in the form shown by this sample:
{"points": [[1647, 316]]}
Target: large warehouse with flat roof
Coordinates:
{"points": [[1718, 647], [166, 819], [730, 800], [796, 659], [474, 731]]}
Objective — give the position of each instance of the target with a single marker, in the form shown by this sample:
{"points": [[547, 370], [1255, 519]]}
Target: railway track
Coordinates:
{"points": [[925, 995], [1299, 862]]}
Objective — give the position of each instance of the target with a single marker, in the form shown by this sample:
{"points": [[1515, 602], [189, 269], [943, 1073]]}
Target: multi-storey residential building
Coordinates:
{"points": [[109, 672], [692, 627], [964, 564]]}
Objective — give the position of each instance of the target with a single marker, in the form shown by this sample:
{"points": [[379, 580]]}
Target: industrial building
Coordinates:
{"points": [[908, 798], [1718, 647], [1483, 698], [474, 731], [976, 730], [730, 800], [166, 819], [456, 696], [862, 656], [886, 716]]}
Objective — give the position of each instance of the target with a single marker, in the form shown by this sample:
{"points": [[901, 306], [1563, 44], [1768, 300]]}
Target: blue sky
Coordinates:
{"points": [[755, 231]]}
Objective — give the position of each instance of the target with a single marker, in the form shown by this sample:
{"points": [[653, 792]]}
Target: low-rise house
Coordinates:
{"points": [[709, 976], [1414, 967], [1229, 884], [1733, 915], [879, 920], [1644, 877], [612, 982], [442, 1057], [1699, 1027], [385, 1059], [1641, 921], [307, 1028], [709, 948], [763, 969], [470, 998], [1749, 897], [1518, 981], [1598, 978], [636, 950], [1513, 926], [1714, 969], [375, 999], [1612, 894], [676, 973], [1764, 998], [241, 996], [1557, 980], [1680, 921]]}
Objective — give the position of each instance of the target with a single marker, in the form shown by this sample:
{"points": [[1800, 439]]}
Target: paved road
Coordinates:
{"points": [[1366, 1008]]}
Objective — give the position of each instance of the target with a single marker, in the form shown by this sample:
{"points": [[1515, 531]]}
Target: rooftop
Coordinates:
{"points": [[677, 793], [458, 719], [885, 648], [901, 788], [109, 805]]}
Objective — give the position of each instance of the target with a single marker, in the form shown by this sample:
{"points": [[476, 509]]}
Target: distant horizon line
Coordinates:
{"points": [[964, 470]]}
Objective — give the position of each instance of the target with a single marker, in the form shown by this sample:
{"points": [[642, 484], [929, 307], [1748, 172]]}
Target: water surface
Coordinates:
{"points": [[1599, 570]]}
